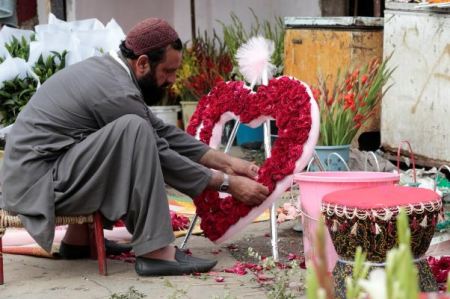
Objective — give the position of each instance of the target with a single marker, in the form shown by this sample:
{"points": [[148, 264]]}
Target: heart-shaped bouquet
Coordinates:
{"points": [[284, 99]]}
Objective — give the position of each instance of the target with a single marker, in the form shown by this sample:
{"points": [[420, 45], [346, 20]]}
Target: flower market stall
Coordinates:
{"points": [[330, 106]]}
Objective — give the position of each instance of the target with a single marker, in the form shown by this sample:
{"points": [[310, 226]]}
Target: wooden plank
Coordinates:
{"points": [[421, 160], [310, 51]]}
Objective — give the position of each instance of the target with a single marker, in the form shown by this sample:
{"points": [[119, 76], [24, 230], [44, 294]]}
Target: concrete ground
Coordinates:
{"points": [[32, 277]]}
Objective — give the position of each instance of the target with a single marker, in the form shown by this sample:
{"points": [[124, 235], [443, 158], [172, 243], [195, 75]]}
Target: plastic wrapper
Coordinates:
{"points": [[16, 67], [55, 41], [6, 34]]}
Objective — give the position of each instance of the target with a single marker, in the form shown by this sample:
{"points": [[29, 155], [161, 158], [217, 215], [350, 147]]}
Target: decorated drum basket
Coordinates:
{"points": [[366, 217]]}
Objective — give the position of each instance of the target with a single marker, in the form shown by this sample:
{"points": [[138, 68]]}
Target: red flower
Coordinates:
{"points": [[440, 268], [358, 119], [179, 222], [227, 204], [316, 93], [364, 79], [220, 279]]}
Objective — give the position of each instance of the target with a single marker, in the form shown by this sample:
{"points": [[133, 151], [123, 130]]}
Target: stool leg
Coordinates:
{"points": [[100, 243], [2, 278]]}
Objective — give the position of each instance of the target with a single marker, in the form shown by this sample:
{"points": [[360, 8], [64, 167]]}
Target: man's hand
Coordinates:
{"points": [[247, 190], [228, 164], [242, 167]]}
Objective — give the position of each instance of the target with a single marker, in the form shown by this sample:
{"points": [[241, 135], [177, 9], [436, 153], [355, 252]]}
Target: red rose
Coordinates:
{"points": [[226, 204]]}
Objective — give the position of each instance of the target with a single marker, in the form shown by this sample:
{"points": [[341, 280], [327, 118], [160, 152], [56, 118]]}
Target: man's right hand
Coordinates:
{"points": [[247, 190]]}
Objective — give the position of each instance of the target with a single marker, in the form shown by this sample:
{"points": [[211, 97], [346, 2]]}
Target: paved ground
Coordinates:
{"points": [[31, 277]]}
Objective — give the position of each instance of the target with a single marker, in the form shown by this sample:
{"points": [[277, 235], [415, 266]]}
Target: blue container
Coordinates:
{"points": [[329, 159], [245, 134]]}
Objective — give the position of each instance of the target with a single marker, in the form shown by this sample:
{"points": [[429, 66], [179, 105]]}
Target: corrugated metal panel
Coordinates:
{"points": [[334, 22]]}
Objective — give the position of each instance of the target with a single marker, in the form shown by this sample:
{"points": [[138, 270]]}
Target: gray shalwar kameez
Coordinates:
{"points": [[86, 141]]}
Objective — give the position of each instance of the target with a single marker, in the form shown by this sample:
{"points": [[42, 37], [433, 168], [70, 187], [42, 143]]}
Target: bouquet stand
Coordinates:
{"points": [[288, 101], [273, 209]]}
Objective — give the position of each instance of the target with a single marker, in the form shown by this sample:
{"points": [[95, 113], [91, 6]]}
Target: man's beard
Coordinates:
{"points": [[151, 92]]}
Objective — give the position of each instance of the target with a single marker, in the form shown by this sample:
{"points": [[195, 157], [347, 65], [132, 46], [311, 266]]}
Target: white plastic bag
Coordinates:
{"points": [[6, 34], [83, 38], [102, 40], [54, 41], [16, 67], [116, 35], [79, 25]]}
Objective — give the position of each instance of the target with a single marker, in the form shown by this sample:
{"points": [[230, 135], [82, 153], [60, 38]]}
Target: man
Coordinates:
{"points": [[87, 142]]}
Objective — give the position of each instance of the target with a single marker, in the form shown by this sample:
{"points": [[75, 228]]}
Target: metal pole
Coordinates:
{"points": [[193, 25], [189, 232], [227, 149], [318, 162], [232, 137], [377, 8], [273, 208]]}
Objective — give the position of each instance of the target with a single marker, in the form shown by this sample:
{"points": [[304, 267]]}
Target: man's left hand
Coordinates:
{"points": [[244, 168]]}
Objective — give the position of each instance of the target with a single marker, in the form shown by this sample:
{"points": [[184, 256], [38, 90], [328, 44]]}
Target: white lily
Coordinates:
{"points": [[375, 286]]}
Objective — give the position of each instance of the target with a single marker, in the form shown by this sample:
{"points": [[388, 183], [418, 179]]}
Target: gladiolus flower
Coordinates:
{"points": [[316, 93], [347, 93], [364, 79]]}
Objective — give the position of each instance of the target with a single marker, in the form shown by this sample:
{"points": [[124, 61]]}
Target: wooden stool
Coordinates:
{"points": [[367, 217], [97, 243]]}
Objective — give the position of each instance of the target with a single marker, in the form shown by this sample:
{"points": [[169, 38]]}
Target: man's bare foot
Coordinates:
{"points": [[77, 234], [166, 253]]}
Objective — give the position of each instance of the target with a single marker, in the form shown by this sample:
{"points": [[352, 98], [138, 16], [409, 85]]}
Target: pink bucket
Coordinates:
{"points": [[314, 185]]}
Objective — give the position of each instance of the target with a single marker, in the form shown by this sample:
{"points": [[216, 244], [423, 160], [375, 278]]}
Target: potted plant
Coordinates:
{"points": [[351, 101]]}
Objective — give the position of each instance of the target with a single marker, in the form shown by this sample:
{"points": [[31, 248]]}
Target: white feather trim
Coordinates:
{"points": [[254, 60]]}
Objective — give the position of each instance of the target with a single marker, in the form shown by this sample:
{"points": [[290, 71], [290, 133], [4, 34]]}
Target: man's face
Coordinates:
{"points": [[157, 80]]}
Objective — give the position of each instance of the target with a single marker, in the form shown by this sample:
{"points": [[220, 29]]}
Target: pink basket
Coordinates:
{"points": [[314, 185]]}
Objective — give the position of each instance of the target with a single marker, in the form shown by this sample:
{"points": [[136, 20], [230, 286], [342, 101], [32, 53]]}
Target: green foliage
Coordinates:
{"points": [[225, 296], [360, 271], [313, 289], [19, 48], [448, 283], [14, 95], [177, 292], [285, 282], [235, 35], [319, 284], [2, 59], [45, 68], [401, 273], [132, 293]]}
